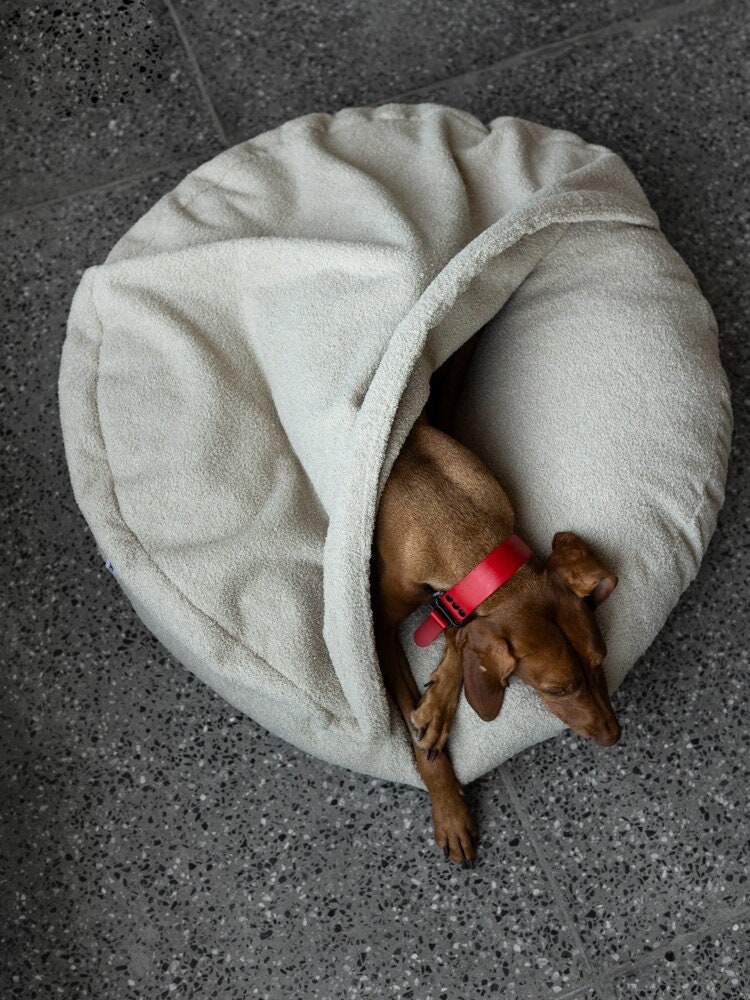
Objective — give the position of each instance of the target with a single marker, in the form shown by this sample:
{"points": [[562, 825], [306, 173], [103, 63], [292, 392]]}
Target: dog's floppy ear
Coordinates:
{"points": [[487, 663], [573, 562]]}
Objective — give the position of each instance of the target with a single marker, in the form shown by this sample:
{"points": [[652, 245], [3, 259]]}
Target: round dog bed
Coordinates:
{"points": [[240, 373]]}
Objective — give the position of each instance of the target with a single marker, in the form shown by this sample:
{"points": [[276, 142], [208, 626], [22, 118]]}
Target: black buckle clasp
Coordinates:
{"points": [[438, 605]]}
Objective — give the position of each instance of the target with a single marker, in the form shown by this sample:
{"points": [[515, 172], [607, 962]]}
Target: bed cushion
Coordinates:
{"points": [[241, 372]]}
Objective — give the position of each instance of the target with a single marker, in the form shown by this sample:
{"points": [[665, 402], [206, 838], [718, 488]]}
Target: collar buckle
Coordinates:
{"points": [[452, 614]]}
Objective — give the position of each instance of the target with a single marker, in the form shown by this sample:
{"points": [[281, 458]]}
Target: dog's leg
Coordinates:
{"points": [[433, 716], [455, 829]]}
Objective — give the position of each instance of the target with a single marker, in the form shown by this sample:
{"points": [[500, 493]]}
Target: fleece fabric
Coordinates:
{"points": [[241, 372]]}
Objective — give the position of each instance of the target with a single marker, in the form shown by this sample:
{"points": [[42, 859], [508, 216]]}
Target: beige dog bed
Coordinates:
{"points": [[241, 372]]}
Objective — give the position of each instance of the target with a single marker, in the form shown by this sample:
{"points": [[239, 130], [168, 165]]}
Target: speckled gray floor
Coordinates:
{"points": [[155, 844]]}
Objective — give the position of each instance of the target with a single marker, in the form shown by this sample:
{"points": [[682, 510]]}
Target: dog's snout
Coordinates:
{"points": [[609, 736]]}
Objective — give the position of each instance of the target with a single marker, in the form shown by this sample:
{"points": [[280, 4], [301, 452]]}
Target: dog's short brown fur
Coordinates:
{"points": [[440, 513]]}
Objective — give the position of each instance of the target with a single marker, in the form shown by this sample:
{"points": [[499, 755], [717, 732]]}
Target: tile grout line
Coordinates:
{"points": [[689, 937], [637, 22], [549, 875], [657, 16], [599, 980], [197, 74], [579, 991], [185, 161]]}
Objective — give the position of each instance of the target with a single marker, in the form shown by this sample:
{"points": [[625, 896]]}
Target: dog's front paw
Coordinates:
{"points": [[455, 829], [432, 719]]}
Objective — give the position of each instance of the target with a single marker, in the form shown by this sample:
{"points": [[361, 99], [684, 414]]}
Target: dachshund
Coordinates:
{"points": [[441, 514]]}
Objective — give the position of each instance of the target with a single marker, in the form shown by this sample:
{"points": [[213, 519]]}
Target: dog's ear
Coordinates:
{"points": [[573, 562], [487, 663]]}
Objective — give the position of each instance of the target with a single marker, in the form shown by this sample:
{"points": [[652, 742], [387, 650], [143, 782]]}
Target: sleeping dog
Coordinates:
{"points": [[445, 527]]}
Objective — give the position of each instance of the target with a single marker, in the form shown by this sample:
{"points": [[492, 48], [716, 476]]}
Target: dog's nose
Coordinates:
{"points": [[609, 736]]}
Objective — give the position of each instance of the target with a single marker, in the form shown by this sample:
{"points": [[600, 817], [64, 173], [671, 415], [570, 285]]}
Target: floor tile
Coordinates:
{"points": [[650, 840], [141, 877], [91, 93], [714, 967], [267, 62], [65, 621]]}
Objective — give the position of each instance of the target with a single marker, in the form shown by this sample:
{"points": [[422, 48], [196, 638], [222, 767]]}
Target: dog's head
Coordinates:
{"points": [[544, 631]]}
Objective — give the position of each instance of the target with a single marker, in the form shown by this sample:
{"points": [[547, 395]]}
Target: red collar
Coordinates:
{"points": [[453, 607]]}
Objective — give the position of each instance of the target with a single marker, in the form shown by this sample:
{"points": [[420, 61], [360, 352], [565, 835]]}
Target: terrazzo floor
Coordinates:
{"points": [[153, 843]]}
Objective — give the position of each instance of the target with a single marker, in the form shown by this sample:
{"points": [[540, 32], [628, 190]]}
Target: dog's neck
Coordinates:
{"points": [[458, 557], [522, 579]]}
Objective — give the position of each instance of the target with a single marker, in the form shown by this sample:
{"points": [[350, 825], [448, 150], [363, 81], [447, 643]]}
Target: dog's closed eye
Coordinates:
{"points": [[560, 692]]}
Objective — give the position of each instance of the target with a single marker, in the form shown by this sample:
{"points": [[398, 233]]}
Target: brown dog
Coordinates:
{"points": [[441, 512]]}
